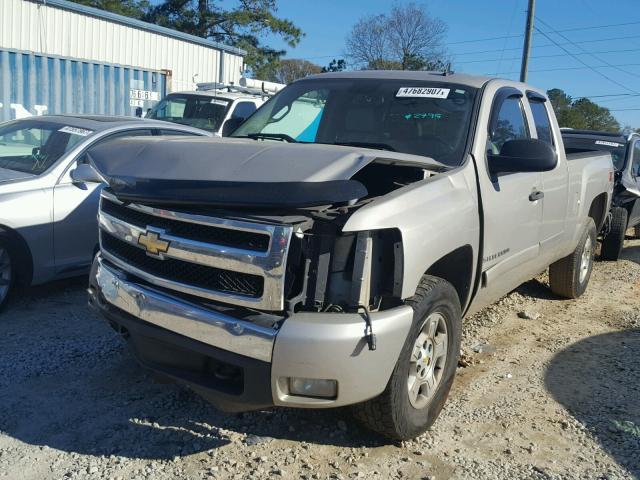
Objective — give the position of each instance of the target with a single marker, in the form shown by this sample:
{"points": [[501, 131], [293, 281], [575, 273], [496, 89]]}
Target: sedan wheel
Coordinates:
{"points": [[6, 275]]}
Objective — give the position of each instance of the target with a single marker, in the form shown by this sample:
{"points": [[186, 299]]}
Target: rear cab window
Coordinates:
{"points": [[541, 121]]}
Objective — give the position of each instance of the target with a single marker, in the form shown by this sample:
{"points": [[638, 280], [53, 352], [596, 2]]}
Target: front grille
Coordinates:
{"points": [[202, 233], [200, 276]]}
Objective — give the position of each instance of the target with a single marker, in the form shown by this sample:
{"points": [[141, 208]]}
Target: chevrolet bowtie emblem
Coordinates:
{"points": [[152, 243]]}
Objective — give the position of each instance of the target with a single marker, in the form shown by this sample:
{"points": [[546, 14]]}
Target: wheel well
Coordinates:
{"points": [[456, 268], [23, 261], [597, 211]]}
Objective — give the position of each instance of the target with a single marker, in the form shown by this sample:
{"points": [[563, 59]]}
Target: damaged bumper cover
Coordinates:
{"points": [[240, 365]]}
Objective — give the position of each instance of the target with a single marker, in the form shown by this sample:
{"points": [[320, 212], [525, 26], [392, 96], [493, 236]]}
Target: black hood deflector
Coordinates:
{"points": [[290, 195]]}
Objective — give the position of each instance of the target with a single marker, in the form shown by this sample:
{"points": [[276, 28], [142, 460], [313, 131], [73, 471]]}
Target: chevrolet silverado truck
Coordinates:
{"points": [[325, 254], [625, 204]]}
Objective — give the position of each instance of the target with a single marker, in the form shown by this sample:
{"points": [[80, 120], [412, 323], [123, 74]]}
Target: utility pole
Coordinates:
{"points": [[527, 41]]}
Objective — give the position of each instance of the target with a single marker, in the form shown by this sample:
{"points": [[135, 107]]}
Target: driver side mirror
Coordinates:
{"points": [[231, 125], [527, 155], [85, 173]]}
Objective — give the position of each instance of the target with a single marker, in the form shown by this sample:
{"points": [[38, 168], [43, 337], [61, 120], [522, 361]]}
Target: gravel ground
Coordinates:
{"points": [[549, 391]]}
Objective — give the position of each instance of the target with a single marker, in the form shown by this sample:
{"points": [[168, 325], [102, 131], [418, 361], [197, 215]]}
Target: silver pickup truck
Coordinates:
{"points": [[326, 254]]}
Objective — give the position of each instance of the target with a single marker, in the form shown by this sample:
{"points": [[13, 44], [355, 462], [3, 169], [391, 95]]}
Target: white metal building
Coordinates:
{"points": [[47, 44]]}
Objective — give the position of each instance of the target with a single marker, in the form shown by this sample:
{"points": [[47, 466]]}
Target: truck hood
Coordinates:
{"points": [[238, 172]]}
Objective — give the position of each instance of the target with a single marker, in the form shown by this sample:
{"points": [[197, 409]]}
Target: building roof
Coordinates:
{"points": [[132, 22], [476, 81]]}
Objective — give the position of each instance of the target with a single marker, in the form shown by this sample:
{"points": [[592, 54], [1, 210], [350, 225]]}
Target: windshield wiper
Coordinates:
{"points": [[374, 145], [272, 136]]}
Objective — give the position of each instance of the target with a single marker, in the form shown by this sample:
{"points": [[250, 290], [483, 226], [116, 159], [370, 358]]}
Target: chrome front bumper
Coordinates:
{"points": [[204, 325], [308, 345]]}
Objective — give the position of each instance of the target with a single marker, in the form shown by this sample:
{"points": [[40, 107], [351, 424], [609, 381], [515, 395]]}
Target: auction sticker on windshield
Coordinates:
{"points": [[83, 132], [423, 92]]}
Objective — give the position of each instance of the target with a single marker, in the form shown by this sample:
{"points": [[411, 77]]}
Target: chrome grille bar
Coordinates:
{"points": [[270, 265]]}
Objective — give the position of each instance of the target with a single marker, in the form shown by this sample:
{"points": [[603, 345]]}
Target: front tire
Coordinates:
{"points": [[569, 276], [613, 241], [424, 372]]}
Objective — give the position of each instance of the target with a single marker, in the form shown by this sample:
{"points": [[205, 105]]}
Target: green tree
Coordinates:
{"points": [[129, 8], [335, 66], [241, 26], [581, 113]]}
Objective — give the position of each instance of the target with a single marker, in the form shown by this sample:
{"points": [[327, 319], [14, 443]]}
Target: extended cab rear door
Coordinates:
{"points": [[555, 183], [512, 210]]}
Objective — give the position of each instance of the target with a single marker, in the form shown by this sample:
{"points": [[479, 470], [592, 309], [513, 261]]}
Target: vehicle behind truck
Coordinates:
{"points": [[215, 107], [625, 205], [326, 253]]}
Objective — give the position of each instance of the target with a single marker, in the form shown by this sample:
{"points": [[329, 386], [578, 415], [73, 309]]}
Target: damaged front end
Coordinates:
{"points": [[255, 269], [316, 266]]}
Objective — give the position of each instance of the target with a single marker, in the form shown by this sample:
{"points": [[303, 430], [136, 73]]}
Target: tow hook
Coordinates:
{"points": [[368, 330]]}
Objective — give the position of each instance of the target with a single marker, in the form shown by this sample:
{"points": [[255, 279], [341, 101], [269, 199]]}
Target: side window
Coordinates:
{"points": [[635, 165], [243, 110], [541, 120], [510, 125], [127, 133]]}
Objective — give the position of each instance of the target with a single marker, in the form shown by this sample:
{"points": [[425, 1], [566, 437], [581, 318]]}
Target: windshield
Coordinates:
{"points": [[421, 118], [198, 111], [33, 146]]}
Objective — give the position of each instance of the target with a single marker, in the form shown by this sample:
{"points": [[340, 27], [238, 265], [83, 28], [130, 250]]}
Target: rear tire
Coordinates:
{"points": [[612, 243], [569, 276], [7, 269], [424, 372]]}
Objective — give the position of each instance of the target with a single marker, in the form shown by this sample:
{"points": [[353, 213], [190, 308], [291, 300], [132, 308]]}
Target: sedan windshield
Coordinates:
{"points": [[420, 118], [198, 111], [32, 146]]}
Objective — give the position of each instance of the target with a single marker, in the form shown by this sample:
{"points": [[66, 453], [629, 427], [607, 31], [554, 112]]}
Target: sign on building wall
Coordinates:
{"points": [[138, 95]]}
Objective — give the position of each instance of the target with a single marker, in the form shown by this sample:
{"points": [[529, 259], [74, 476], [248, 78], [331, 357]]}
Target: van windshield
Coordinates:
{"points": [[416, 117], [198, 111]]}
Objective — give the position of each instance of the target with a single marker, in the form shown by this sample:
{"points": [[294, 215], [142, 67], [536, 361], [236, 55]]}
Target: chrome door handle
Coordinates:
{"points": [[537, 195]]}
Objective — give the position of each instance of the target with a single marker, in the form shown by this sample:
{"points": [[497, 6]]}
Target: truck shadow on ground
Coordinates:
{"points": [[598, 381], [69, 383]]}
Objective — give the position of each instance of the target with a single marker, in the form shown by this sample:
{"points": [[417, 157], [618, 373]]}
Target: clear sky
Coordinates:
{"points": [[472, 23]]}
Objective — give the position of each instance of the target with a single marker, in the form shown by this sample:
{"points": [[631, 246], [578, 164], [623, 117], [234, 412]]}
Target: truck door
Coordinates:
{"points": [[555, 183], [512, 209]]}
